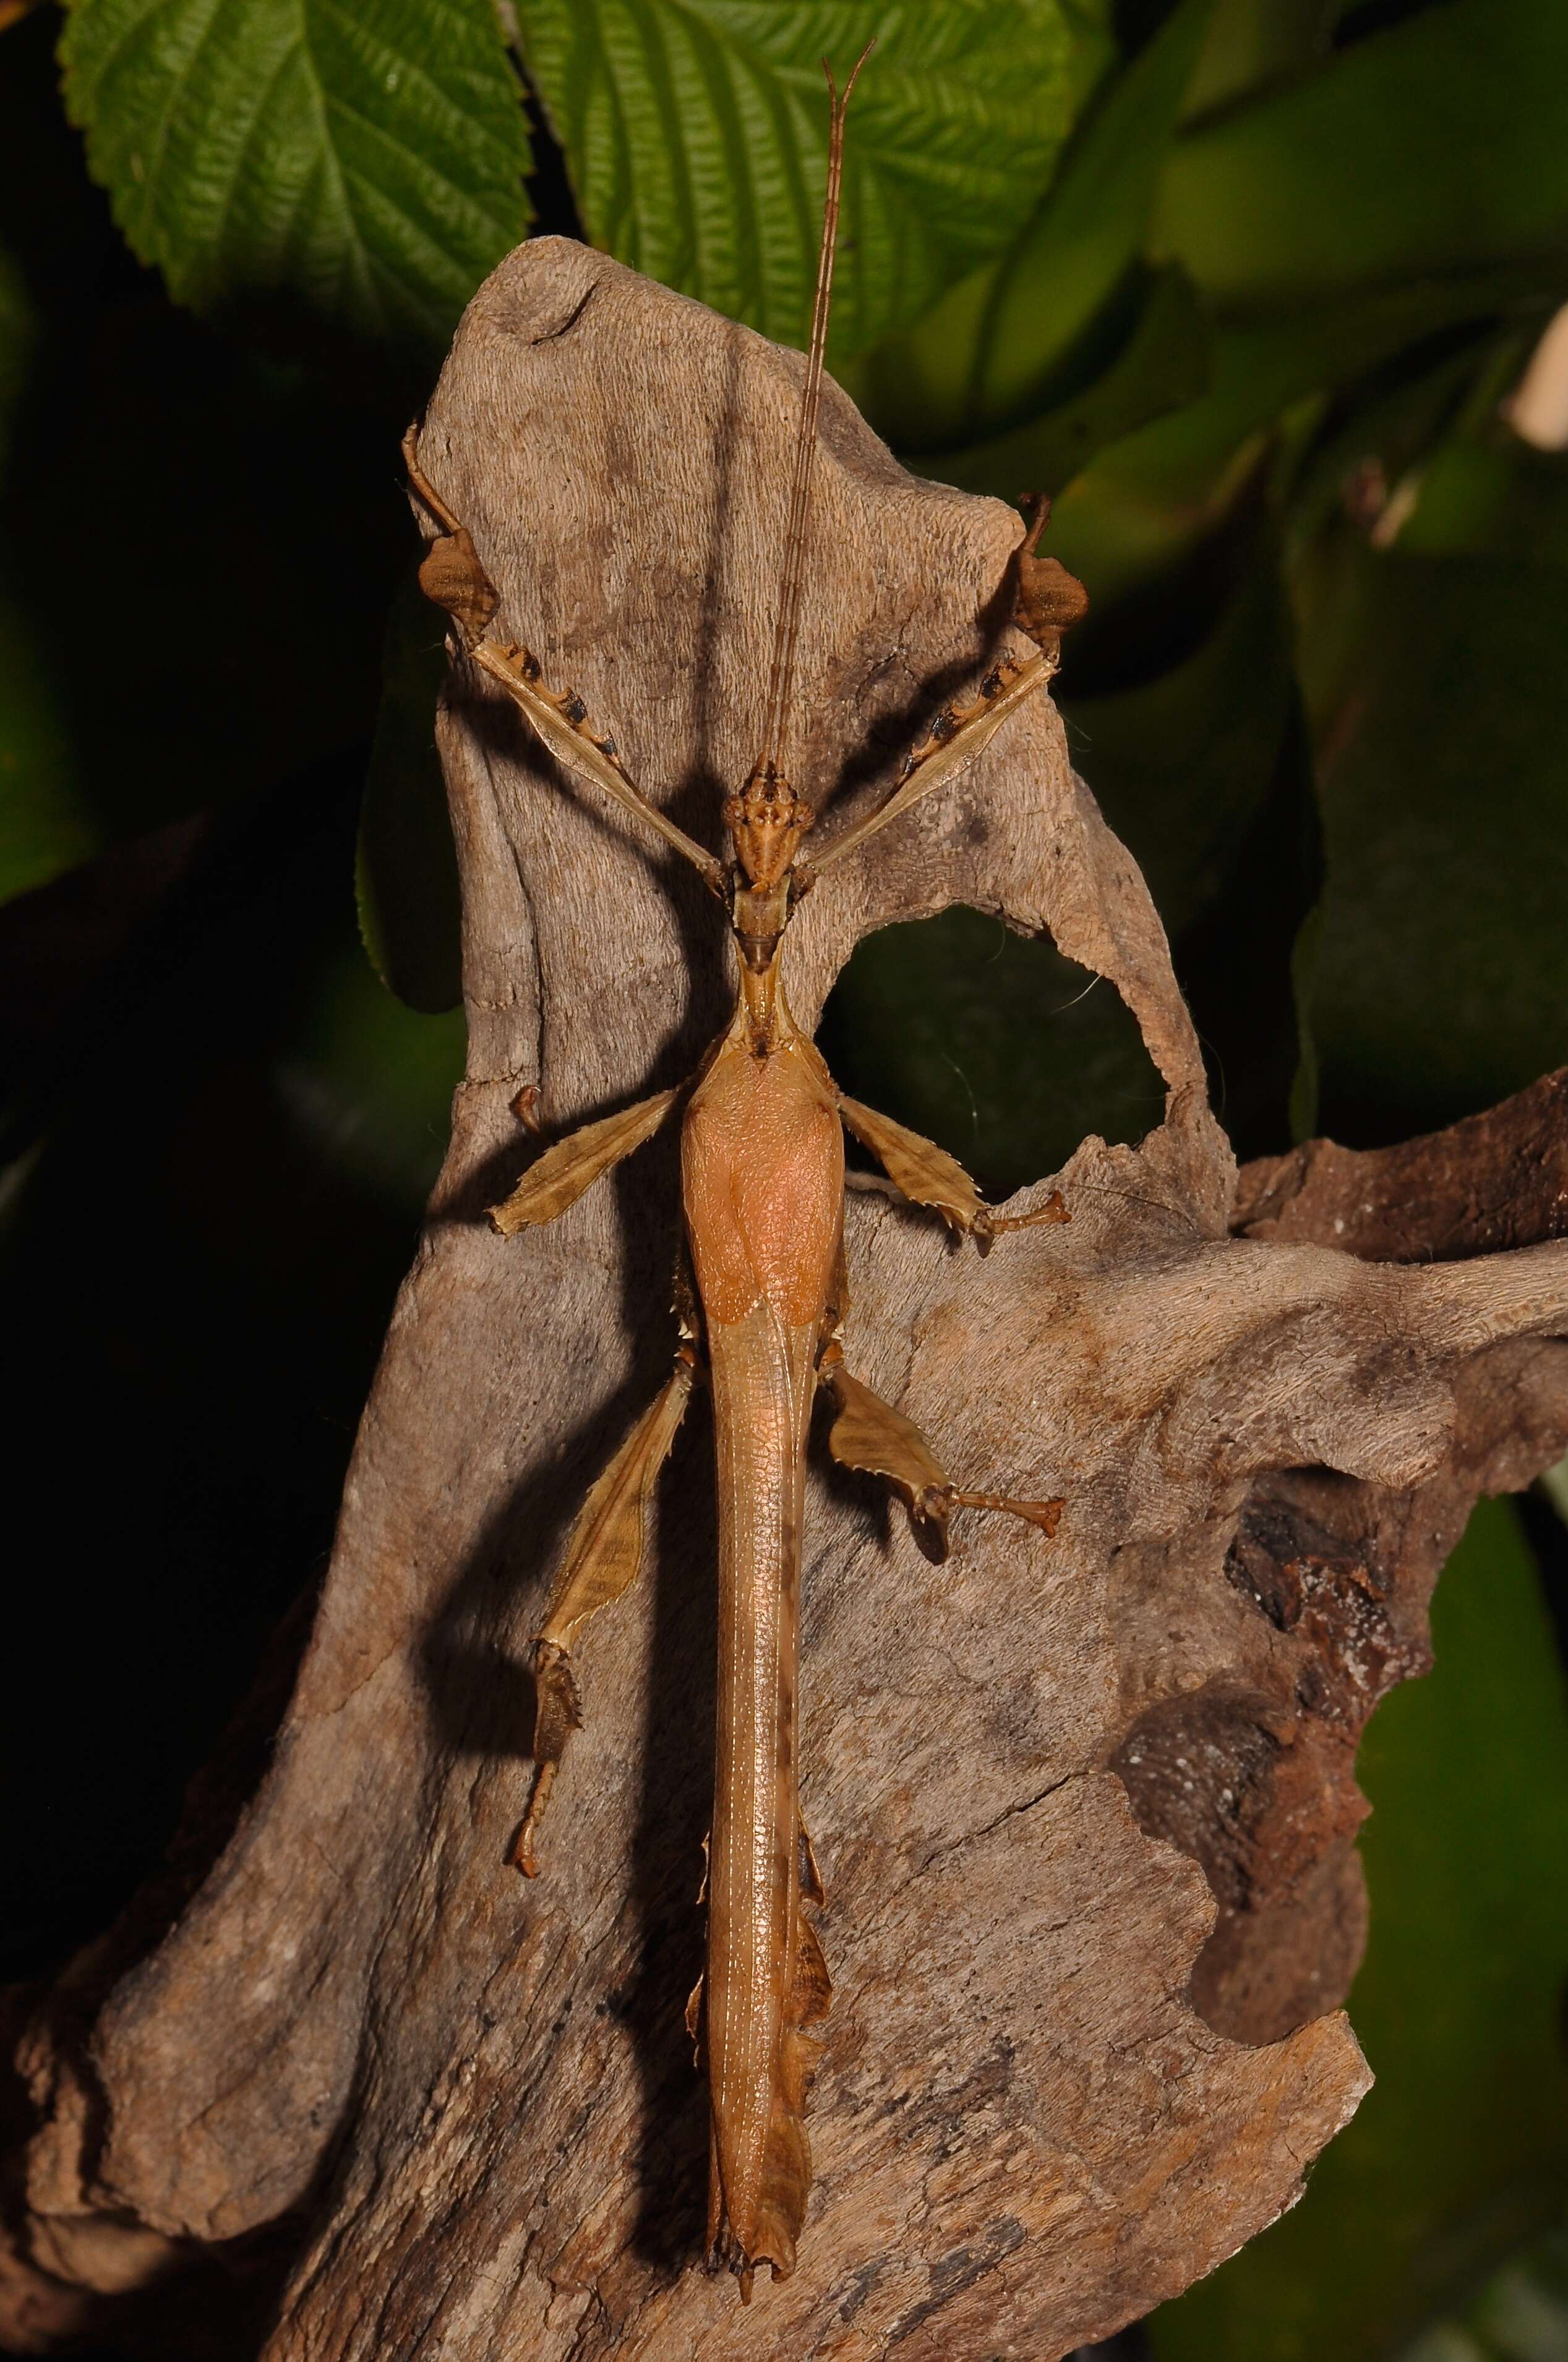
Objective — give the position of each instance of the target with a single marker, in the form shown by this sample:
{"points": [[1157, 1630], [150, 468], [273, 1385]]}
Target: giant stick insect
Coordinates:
{"points": [[763, 1184]]}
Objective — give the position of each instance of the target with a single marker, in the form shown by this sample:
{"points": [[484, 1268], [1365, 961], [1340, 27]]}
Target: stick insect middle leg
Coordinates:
{"points": [[928, 1175]]}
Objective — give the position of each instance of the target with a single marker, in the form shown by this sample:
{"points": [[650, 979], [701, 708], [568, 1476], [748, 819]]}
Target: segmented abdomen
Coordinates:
{"points": [[762, 1171]]}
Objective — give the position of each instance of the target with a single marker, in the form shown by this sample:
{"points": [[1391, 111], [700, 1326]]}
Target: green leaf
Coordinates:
{"points": [[1252, 42], [695, 134], [1492, 497], [1436, 146], [1091, 52], [1439, 707], [1521, 2315], [1181, 763], [1146, 502], [406, 885], [370, 1084], [362, 161], [1162, 366], [989, 353], [1203, 768], [1461, 2147], [43, 826]]}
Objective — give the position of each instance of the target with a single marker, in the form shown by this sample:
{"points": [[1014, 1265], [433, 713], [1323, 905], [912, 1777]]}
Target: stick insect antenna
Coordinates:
{"points": [[782, 674]]}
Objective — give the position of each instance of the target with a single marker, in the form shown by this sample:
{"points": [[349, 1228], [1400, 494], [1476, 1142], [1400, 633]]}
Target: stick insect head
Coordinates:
{"points": [[768, 819]]}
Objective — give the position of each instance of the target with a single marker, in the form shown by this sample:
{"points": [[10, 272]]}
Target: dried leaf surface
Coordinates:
{"points": [[1084, 2036]]}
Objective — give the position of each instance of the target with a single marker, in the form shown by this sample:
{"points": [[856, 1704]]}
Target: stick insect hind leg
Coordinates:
{"points": [[602, 1562], [605, 1550], [869, 1435]]}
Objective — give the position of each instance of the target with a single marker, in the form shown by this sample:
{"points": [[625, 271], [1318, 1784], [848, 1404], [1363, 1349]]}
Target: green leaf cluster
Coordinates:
{"points": [[1256, 340], [695, 133], [364, 160]]}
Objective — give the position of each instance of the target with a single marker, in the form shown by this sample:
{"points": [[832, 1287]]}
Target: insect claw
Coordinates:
{"points": [[1046, 1515], [989, 1226]]}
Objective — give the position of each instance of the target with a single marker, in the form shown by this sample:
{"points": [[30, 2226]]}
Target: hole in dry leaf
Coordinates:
{"points": [[989, 1042]]}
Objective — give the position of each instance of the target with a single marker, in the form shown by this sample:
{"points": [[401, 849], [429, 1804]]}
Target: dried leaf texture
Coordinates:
{"points": [[1083, 2039]]}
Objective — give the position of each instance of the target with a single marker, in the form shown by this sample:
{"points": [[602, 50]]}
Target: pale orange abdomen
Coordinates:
{"points": [[762, 1157]]}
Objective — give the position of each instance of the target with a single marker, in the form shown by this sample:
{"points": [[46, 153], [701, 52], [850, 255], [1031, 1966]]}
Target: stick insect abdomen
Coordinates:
{"points": [[763, 1180]]}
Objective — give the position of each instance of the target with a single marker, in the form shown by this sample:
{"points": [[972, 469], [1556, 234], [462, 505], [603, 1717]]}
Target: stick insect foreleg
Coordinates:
{"points": [[454, 577], [1047, 600]]}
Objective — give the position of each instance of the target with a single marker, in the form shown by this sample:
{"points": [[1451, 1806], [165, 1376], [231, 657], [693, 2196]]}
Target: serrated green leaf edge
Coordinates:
{"points": [[365, 161], [695, 135]]}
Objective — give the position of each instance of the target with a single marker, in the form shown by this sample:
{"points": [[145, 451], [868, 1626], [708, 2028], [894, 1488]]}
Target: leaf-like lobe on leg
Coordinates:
{"points": [[602, 1562], [923, 1173], [869, 1434], [1047, 600], [927, 1175], [451, 576], [557, 1178]]}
